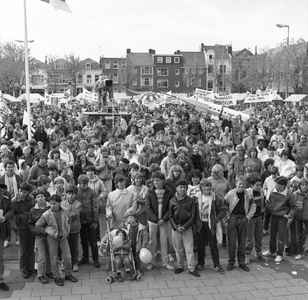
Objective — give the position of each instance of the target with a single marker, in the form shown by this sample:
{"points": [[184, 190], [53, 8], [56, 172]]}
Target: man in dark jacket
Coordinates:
{"points": [[6, 214], [89, 220], [39, 169], [157, 208]]}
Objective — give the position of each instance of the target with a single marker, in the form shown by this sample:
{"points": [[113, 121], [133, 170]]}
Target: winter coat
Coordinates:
{"points": [[104, 169], [142, 237], [99, 188], [34, 216], [74, 210], [8, 213], [22, 210], [151, 204], [90, 206], [35, 172], [49, 222]]}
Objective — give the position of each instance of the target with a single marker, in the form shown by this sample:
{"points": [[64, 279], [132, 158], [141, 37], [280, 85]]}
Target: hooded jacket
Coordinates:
{"points": [[152, 204]]}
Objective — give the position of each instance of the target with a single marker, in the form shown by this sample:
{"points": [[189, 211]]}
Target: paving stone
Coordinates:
{"points": [[196, 282], [79, 290], [131, 295], [224, 296], [230, 280], [151, 293], [279, 291], [242, 295], [247, 278], [109, 296], [263, 284], [92, 297], [6, 295], [119, 287], [90, 282], [98, 274], [245, 286], [71, 297], [208, 290], [21, 293], [59, 291], [228, 288], [282, 275], [201, 297], [211, 282], [189, 291], [33, 285], [41, 292], [261, 293], [100, 289], [297, 281], [51, 298], [153, 285], [29, 298], [298, 297], [264, 277], [297, 290], [175, 283], [170, 292], [186, 297]]}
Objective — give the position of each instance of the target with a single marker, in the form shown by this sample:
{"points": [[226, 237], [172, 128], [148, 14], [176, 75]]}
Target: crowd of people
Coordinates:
{"points": [[172, 180]]}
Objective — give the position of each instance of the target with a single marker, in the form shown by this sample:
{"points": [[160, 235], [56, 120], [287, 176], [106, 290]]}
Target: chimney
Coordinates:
{"points": [[128, 51], [153, 51], [230, 50], [202, 47], [46, 59], [256, 50], [150, 51]]}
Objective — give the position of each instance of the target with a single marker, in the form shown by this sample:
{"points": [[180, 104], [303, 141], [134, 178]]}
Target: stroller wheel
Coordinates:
{"points": [[110, 279], [138, 277]]}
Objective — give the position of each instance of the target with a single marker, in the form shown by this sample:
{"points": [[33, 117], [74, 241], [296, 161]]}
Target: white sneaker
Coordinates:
{"points": [[6, 244], [150, 267], [267, 254], [278, 258], [168, 267], [75, 268], [299, 256], [170, 258], [17, 243]]}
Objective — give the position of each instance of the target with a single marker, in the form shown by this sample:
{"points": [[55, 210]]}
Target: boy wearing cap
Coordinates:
{"points": [[56, 222], [74, 208], [282, 207], [89, 218]]}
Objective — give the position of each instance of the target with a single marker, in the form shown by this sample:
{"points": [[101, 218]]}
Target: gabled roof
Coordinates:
{"points": [[140, 59], [94, 64], [221, 51], [244, 52], [194, 58]]}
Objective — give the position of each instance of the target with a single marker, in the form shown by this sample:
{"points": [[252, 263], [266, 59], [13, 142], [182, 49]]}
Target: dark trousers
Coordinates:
{"points": [[301, 234], [237, 226], [267, 219], [204, 235], [73, 241], [26, 250], [87, 233], [278, 228], [136, 258]]}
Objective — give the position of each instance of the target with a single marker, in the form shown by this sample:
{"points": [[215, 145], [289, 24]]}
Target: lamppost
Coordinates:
{"points": [[288, 45]]}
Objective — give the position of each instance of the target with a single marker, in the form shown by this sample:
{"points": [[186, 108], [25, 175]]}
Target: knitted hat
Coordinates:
{"points": [[131, 212], [282, 180]]}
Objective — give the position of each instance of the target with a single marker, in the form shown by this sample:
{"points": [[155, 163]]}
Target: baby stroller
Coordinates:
{"points": [[112, 278]]}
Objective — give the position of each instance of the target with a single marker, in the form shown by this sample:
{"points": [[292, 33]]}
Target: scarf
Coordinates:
{"points": [[7, 183]]}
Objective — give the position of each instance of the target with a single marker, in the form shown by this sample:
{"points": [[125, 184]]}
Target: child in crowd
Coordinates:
{"points": [[60, 190], [121, 257], [137, 235], [23, 169], [74, 208], [43, 183], [43, 260], [248, 176], [56, 222], [255, 228], [299, 177], [22, 204], [194, 186]]}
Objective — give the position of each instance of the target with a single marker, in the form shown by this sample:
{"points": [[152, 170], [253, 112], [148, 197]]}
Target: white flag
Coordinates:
{"points": [[59, 4], [67, 94]]}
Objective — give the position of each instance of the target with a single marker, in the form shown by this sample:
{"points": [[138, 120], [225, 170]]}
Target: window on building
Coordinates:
{"points": [[146, 70], [200, 71], [135, 82], [115, 65], [115, 78], [222, 69], [210, 85], [210, 69], [89, 79], [123, 64], [221, 86], [176, 60], [162, 83], [177, 84], [162, 72], [79, 80], [176, 72], [160, 60], [168, 60], [210, 57], [199, 82], [147, 82], [96, 78], [88, 66], [107, 65]]}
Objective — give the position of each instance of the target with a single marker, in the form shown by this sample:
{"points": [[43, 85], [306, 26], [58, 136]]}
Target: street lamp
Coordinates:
{"points": [[288, 45]]}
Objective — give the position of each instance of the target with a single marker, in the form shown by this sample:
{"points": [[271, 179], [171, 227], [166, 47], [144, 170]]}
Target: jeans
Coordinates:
{"points": [[54, 244], [278, 227], [301, 234], [204, 235], [73, 241], [26, 250], [254, 235], [237, 225], [43, 258], [183, 243], [1, 260], [88, 233], [153, 228]]}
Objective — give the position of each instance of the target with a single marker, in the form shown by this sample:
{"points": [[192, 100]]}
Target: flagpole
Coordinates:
{"points": [[27, 72]]}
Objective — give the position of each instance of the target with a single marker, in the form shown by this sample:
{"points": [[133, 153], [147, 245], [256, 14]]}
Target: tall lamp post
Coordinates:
{"points": [[288, 45]]}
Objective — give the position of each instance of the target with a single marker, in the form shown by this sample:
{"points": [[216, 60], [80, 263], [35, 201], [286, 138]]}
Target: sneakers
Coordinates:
{"points": [[219, 269], [299, 256], [150, 267], [6, 244], [33, 272], [170, 258], [268, 254], [75, 268], [59, 281], [25, 274], [168, 267], [262, 257], [194, 273], [71, 278], [199, 267], [178, 270], [50, 275], [265, 232], [43, 279], [4, 287], [244, 267], [230, 267], [83, 261], [96, 264], [278, 258], [247, 259]]}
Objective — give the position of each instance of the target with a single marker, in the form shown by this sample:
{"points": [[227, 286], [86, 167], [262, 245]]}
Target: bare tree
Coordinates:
{"points": [[74, 69], [128, 74], [194, 77]]}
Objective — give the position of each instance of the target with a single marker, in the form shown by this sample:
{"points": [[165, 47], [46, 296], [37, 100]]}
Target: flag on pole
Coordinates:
{"points": [[4, 110], [59, 4], [67, 94]]}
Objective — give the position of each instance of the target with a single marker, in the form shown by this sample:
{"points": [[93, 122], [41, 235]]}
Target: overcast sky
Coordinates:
{"points": [[102, 27]]}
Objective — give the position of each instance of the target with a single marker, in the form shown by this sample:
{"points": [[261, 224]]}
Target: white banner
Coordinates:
{"points": [[204, 94], [259, 99], [227, 100]]}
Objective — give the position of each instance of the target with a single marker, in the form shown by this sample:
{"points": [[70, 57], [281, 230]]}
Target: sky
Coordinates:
{"points": [[108, 28]]}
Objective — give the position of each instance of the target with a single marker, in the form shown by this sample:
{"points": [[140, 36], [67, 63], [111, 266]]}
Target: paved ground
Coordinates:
{"points": [[287, 280]]}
